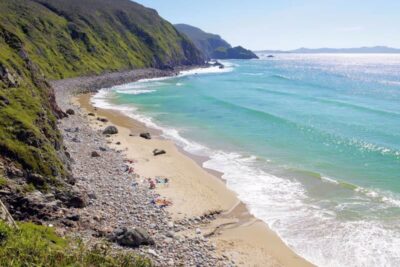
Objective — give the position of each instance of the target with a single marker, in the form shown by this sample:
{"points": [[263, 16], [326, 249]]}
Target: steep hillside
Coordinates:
{"points": [[206, 42], [212, 45], [29, 140], [75, 37]]}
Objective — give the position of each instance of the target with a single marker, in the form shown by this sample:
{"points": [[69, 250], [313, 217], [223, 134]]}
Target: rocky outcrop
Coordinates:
{"points": [[8, 79]]}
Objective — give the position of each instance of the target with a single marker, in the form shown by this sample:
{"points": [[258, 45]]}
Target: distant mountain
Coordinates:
{"points": [[206, 42], [212, 45], [359, 50]]}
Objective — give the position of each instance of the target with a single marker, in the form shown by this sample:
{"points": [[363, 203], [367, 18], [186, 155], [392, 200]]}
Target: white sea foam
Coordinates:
{"points": [[391, 82], [208, 70], [135, 92]]}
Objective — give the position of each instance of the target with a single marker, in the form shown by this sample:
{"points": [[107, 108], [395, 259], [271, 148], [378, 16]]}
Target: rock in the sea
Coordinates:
{"points": [[110, 130], [145, 135], [95, 154], [157, 152], [134, 237], [70, 111]]}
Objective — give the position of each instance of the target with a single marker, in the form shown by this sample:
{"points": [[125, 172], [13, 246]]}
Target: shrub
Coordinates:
{"points": [[35, 245]]}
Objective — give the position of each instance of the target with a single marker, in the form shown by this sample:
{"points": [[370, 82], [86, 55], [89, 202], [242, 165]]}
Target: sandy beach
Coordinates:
{"points": [[194, 192]]}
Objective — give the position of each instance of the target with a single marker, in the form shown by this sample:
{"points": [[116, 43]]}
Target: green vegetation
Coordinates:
{"points": [[206, 42], [75, 37], [28, 132], [3, 181], [34, 245], [212, 45], [233, 53]]}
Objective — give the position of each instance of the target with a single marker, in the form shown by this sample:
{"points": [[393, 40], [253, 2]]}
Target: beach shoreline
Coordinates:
{"points": [[247, 240]]}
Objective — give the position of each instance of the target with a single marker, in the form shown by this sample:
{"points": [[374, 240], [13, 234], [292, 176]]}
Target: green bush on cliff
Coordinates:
{"points": [[34, 245]]}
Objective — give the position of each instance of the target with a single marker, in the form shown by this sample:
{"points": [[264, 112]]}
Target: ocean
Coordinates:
{"points": [[311, 143]]}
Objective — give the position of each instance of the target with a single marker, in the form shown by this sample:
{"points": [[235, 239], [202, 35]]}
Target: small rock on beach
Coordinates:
{"points": [[110, 130]]}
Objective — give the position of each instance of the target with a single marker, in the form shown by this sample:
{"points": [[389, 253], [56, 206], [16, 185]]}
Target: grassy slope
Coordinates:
{"points": [[74, 37], [206, 42], [34, 245], [28, 132]]}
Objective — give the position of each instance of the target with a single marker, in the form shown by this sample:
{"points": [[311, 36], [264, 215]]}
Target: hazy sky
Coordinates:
{"points": [[288, 24]]}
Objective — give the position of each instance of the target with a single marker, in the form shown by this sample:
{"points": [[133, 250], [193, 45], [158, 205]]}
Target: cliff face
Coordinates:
{"points": [[206, 42], [54, 39], [29, 140], [212, 45]]}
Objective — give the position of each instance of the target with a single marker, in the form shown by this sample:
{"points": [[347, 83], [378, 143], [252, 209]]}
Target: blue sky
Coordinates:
{"points": [[289, 24]]}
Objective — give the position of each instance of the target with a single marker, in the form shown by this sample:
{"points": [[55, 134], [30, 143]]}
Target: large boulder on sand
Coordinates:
{"points": [[110, 130], [133, 238], [145, 136]]}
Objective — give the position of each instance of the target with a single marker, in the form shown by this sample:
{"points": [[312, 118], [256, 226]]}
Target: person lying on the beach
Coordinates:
{"points": [[161, 202]]}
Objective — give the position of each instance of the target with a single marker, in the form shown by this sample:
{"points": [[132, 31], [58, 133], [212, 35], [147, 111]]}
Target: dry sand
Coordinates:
{"points": [[194, 191]]}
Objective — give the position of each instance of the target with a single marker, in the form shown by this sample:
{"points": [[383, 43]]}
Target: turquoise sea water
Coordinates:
{"points": [[310, 142]]}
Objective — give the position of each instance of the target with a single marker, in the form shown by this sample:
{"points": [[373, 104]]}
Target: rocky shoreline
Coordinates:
{"points": [[115, 206]]}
